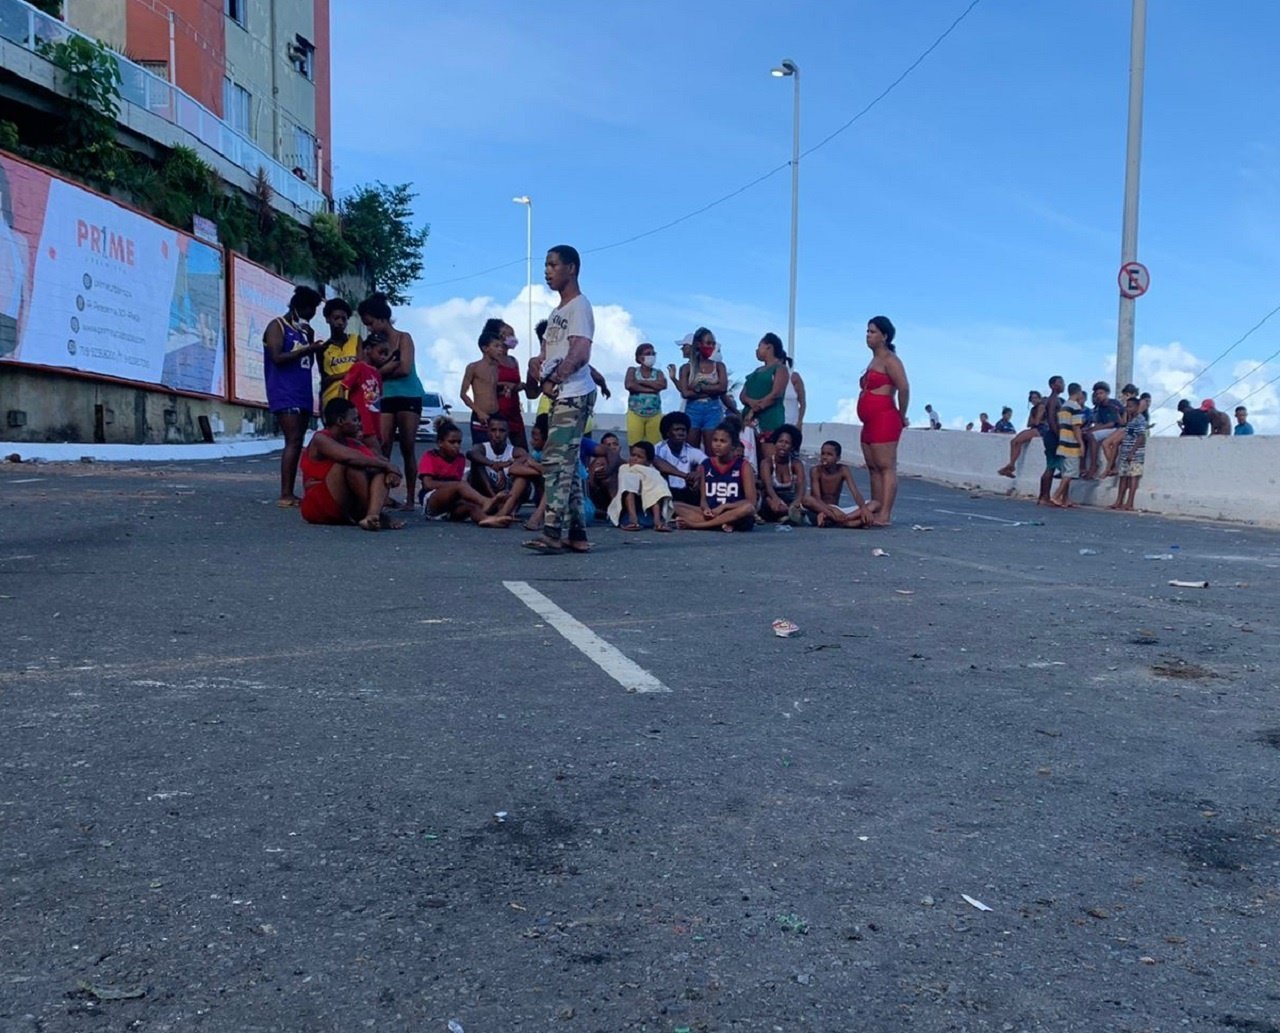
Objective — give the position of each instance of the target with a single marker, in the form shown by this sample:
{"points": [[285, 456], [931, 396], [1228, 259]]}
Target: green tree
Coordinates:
{"points": [[91, 75], [376, 224], [334, 257]]}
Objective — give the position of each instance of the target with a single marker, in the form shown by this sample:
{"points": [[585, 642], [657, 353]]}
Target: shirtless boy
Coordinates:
{"points": [[480, 378], [826, 481]]}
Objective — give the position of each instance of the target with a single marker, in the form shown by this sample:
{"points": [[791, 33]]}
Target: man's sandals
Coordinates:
{"points": [[553, 546]]}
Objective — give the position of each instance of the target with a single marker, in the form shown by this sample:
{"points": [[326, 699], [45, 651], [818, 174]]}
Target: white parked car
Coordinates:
{"points": [[433, 407]]}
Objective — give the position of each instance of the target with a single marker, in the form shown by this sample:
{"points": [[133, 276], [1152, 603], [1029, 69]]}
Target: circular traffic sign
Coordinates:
{"points": [[1134, 279]]}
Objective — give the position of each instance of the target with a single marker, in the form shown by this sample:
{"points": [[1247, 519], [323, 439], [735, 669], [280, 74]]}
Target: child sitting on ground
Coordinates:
{"points": [[445, 495], [782, 478], [533, 472], [639, 480], [678, 461], [728, 497], [826, 481]]}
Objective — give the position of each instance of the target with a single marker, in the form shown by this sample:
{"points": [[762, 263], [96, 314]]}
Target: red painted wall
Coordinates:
{"points": [[199, 43], [324, 119]]}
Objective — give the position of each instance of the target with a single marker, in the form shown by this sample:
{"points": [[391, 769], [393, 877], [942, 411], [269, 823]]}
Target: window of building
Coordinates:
{"points": [[158, 96], [236, 102], [157, 68], [303, 160], [302, 55], [235, 10]]}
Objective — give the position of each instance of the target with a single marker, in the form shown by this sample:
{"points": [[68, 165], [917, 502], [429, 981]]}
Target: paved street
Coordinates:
{"points": [[262, 776]]}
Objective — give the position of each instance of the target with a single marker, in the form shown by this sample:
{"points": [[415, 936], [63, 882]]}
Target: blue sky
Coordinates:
{"points": [[978, 205]]}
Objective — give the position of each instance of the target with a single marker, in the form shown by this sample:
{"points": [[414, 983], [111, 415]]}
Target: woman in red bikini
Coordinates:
{"points": [[882, 418]]}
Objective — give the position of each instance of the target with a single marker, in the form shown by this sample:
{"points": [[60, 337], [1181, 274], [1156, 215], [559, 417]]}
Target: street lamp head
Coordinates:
{"points": [[788, 67], [522, 199]]}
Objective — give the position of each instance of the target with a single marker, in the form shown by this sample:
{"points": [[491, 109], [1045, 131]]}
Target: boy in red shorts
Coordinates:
{"points": [[363, 384]]}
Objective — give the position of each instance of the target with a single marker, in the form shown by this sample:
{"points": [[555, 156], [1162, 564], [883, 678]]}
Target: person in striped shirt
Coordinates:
{"points": [[1070, 443]]}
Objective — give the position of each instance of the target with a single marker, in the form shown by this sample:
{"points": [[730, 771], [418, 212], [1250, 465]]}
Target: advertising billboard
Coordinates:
{"points": [[257, 297], [89, 285]]}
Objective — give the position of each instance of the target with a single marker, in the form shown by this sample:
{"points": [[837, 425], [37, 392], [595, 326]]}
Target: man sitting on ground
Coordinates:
{"points": [[344, 481], [493, 466], [678, 461], [602, 461]]}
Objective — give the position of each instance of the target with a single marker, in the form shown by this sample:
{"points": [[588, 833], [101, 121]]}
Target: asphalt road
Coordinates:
{"points": [[252, 771]]}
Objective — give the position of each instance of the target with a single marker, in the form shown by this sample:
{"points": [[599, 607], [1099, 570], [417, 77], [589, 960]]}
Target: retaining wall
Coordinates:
{"points": [[1218, 478]]}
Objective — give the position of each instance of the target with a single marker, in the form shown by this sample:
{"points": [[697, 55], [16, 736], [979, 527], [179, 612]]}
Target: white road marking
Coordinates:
{"points": [[630, 675], [978, 516], [27, 480]]}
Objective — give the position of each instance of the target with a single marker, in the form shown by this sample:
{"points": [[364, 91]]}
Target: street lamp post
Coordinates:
{"points": [[1132, 169], [791, 69], [527, 201]]}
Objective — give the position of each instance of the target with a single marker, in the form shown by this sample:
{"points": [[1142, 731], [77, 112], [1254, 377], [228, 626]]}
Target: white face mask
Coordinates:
{"points": [[647, 361]]}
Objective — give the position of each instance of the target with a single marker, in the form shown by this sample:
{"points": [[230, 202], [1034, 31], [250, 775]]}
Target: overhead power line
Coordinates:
{"points": [[755, 182], [1225, 352], [1257, 389]]}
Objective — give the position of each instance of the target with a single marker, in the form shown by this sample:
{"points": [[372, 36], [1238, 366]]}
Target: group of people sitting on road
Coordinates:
{"points": [[720, 462], [673, 485]]}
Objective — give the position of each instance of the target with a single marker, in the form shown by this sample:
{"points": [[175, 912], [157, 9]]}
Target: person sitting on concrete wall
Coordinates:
{"points": [[1219, 422], [1194, 422]]}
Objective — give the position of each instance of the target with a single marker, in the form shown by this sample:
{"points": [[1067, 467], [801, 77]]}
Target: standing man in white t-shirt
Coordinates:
{"points": [[563, 369]]}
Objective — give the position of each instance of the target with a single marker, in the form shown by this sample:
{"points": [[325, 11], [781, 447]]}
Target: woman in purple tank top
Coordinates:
{"points": [[288, 360]]}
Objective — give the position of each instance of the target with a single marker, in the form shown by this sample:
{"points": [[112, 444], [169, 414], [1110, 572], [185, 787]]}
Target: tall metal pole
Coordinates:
{"points": [[795, 207], [1132, 169], [527, 201], [528, 285]]}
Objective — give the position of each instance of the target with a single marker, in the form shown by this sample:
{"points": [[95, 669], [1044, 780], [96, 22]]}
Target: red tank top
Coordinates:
{"points": [[509, 394], [318, 469], [874, 378]]}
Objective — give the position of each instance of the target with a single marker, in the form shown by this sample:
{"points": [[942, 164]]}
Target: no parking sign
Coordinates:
{"points": [[1134, 279]]}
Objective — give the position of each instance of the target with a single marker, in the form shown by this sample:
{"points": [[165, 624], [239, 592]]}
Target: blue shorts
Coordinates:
{"points": [[705, 413]]}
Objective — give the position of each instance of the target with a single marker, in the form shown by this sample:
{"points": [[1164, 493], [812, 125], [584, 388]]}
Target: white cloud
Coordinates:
{"points": [[1168, 371], [446, 336], [846, 411]]}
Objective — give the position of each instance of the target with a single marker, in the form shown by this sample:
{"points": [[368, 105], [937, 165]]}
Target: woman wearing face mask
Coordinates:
{"points": [[645, 385], [702, 381], [510, 383]]}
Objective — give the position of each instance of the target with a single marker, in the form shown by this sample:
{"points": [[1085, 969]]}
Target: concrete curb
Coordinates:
{"points": [[73, 451]]}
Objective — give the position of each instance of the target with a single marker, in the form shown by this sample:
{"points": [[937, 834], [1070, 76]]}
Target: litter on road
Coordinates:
{"points": [[784, 628]]}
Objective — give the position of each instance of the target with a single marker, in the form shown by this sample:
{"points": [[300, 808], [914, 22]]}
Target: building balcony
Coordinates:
{"points": [[154, 108]]}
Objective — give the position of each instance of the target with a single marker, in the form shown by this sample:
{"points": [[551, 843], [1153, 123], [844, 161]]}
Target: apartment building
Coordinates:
{"points": [[262, 66]]}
